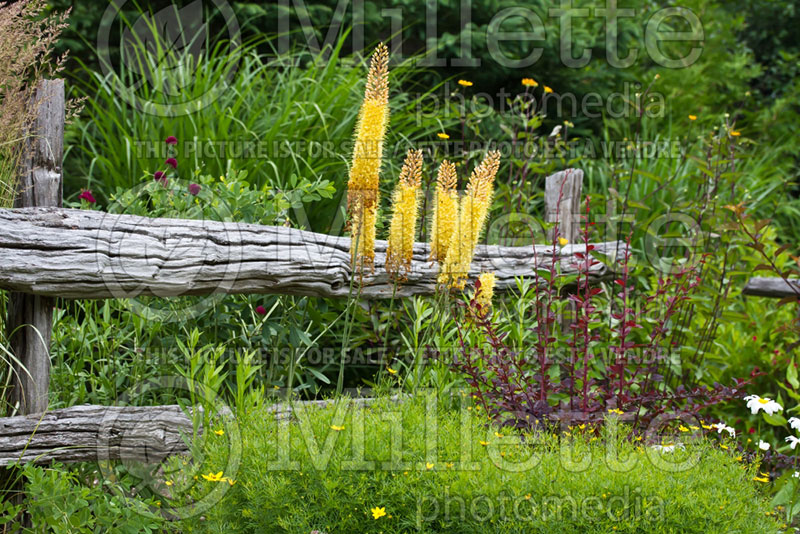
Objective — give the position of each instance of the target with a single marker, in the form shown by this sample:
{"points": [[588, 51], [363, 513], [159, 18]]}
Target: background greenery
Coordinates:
{"points": [[745, 82]]}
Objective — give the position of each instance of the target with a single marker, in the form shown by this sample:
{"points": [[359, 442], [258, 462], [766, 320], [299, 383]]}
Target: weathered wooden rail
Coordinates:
{"points": [[774, 287], [89, 433], [47, 252], [58, 252]]}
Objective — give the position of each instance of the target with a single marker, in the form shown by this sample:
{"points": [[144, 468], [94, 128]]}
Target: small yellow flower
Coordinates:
{"points": [[683, 428], [761, 479], [723, 447], [527, 496], [547, 89], [231, 481], [378, 512], [168, 483], [736, 133], [692, 117], [442, 135], [464, 83], [214, 477], [529, 82], [484, 443], [498, 434], [616, 411], [219, 432], [449, 465], [428, 466], [337, 428], [563, 241], [391, 371]]}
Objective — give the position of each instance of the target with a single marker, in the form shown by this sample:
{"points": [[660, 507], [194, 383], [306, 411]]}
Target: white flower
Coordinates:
{"points": [[722, 427], [795, 423], [796, 474], [763, 445], [793, 441], [668, 447], [756, 403]]}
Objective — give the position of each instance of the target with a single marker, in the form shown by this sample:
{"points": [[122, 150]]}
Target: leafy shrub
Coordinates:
{"points": [[619, 363], [91, 366], [385, 469], [57, 501]]}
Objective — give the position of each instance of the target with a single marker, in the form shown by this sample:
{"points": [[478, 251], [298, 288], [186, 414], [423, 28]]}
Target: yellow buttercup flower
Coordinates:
{"points": [[483, 298], [428, 466], [547, 89], [692, 117], [378, 512], [442, 135], [464, 83], [214, 477], [405, 210], [391, 371], [736, 134], [472, 213], [363, 196], [484, 443], [445, 214], [337, 428], [219, 432], [530, 82], [563, 241]]}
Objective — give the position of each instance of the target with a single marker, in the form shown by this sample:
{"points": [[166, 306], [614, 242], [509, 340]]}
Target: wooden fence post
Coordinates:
{"points": [[562, 205], [30, 317], [565, 185]]}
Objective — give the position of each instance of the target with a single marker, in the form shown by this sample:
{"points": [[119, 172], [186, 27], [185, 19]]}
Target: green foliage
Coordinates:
{"points": [[92, 366], [418, 467], [277, 120], [58, 501]]}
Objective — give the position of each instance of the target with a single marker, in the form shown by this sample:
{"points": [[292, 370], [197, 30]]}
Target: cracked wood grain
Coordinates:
{"points": [[90, 254]]}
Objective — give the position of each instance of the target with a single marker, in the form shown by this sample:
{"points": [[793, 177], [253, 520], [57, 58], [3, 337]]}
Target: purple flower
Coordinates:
{"points": [[171, 140], [87, 196], [261, 310], [159, 176], [194, 189], [172, 162]]}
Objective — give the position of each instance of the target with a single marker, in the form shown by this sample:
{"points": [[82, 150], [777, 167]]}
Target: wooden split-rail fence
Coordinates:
{"points": [[47, 252]]}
